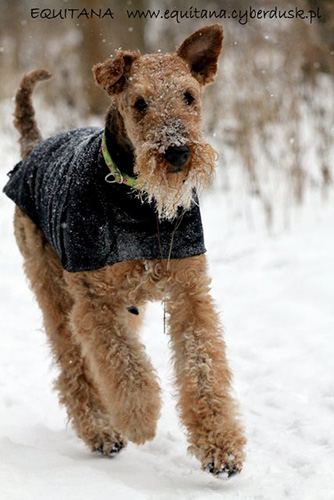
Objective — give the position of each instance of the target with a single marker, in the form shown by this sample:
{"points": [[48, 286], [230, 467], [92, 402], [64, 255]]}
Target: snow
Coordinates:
{"points": [[276, 297]]}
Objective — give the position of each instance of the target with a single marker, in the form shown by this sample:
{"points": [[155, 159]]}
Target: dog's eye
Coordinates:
{"points": [[140, 104], [188, 98]]}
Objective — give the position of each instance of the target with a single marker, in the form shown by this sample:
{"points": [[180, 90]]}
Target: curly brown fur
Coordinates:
{"points": [[206, 405], [162, 82], [78, 392], [107, 382], [24, 111]]}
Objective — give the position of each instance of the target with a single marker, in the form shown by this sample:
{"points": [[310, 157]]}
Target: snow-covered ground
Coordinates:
{"points": [[276, 295]]}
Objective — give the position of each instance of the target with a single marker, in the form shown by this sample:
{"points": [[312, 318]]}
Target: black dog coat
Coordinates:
{"points": [[89, 222]]}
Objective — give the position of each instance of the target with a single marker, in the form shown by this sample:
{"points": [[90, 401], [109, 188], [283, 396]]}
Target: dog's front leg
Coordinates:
{"points": [[203, 377], [121, 369]]}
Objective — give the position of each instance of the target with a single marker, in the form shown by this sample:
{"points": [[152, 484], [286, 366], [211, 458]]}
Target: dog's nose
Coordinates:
{"points": [[177, 156]]}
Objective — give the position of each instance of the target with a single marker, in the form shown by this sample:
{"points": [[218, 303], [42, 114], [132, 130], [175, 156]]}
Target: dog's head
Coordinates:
{"points": [[159, 97]]}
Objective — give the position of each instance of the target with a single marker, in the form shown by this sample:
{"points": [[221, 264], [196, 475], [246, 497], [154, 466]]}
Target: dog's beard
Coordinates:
{"points": [[170, 191]]}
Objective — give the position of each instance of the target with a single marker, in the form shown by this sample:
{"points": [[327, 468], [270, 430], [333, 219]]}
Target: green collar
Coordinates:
{"points": [[119, 178]]}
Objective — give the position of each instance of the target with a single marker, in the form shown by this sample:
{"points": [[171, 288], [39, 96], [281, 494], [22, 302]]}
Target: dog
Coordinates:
{"points": [[107, 220]]}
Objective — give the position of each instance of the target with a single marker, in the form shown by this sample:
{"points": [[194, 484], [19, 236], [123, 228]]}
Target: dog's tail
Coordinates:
{"points": [[24, 111]]}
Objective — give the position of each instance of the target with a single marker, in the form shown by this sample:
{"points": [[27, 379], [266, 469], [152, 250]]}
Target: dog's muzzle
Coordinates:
{"points": [[177, 157]]}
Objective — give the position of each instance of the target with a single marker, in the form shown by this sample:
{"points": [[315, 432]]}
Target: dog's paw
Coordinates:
{"points": [[108, 444], [140, 431], [223, 464], [220, 453], [109, 449], [137, 417], [223, 471]]}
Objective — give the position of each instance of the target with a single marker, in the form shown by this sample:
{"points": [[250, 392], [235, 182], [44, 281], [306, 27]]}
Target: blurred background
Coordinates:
{"points": [[270, 114]]}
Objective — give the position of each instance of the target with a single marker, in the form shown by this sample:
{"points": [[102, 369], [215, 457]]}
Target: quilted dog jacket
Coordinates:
{"points": [[89, 222]]}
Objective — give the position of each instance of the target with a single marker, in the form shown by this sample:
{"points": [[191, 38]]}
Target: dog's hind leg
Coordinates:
{"points": [[76, 388]]}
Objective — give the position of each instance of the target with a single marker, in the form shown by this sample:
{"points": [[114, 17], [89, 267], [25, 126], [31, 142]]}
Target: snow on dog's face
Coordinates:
{"points": [[159, 97]]}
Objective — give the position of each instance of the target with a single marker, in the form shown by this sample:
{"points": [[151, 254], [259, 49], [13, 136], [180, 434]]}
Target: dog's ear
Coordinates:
{"points": [[201, 51], [112, 74]]}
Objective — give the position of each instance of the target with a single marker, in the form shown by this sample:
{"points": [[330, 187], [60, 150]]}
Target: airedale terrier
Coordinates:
{"points": [[109, 219]]}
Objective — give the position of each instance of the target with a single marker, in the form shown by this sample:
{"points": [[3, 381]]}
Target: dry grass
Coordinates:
{"points": [[272, 120]]}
